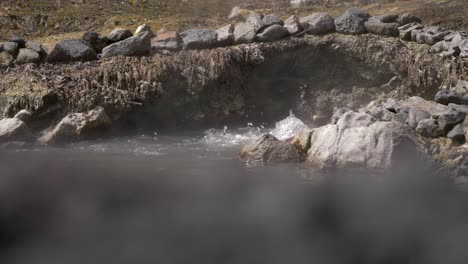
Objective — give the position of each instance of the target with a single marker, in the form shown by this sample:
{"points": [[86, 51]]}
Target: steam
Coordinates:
{"points": [[77, 208]]}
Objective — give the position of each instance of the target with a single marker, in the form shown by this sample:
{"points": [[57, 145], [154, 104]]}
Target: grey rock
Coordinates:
{"points": [[170, 41], [27, 56], [269, 149], [450, 119], [139, 45], [37, 47], [376, 26], [11, 48], [387, 18], [293, 25], [432, 39], [71, 50], [95, 41], [415, 33], [21, 42], [272, 19], [407, 18], [119, 34], [272, 33], [432, 29], [348, 23], [440, 47], [144, 28], [24, 115], [357, 12], [429, 106], [13, 129], [225, 35], [457, 134], [318, 24], [302, 140], [244, 33], [338, 113], [406, 30], [429, 128], [256, 21], [415, 115], [199, 38], [6, 59], [421, 37], [461, 87], [446, 97], [380, 113]]}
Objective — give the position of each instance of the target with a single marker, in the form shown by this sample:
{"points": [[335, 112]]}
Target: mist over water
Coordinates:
{"points": [[189, 199]]}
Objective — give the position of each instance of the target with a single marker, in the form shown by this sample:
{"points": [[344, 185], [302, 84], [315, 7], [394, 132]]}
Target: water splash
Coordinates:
{"points": [[226, 138], [288, 127]]}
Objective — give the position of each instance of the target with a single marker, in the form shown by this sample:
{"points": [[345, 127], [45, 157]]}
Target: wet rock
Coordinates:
{"points": [[71, 50], [139, 45], [318, 24], [293, 25], [302, 140], [170, 41], [352, 22], [269, 149], [11, 48], [27, 56], [78, 126], [406, 30], [272, 19], [13, 129], [21, 42], [415, 115], [225, 35], [244, 33], [24, 115], [119, 34], [407, 18], [144, 28], [429, 128], [272, 33], [446, 97], [199, 38], [376, 26], [95, 41], [450, 119], [6, 59], [457, 134]]}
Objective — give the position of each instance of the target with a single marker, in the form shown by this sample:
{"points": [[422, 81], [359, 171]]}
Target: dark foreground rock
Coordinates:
{"points": [[139, 45], [71, 50]]}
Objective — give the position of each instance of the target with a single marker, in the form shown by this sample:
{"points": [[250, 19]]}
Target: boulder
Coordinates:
{"points": [[376, 26], [139, 45], [169, 40], [432, 39], [13, 129], [429, 106], [21, 42], [318, 24], [421, 37], [71, 50], [225, 35], [144, 28], [293, 25], [429, 128], [446, 97], [337, 113], [37, 47], [407, 18], [387, 18], [119, 34], [199, 38], [302, 140], [440, 47], [6, 59], [450, 119], [415, 115], [269, 149], [272, 19], [256, 21], [380, 113], [406, 30], [95, 41], [457, 134], [357, 141], [272, 33], [351, 22], [24, 115], [78, 126], [244, 33], [461, 87], [27, 56], [9, 47]]}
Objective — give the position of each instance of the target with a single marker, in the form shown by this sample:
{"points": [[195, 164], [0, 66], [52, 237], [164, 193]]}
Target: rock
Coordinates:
{"points": [[299, 3], [450, 119], [352, 119], [302, 140], [338, 113], [269, 149], [6, 59], [381, 113], [272, 19], [238, 13], [256, 21], [457, 134], [406, 30], [78, 126], [13, 129], [407, 18], [272, 33], [244, 33], [225, 35], [288, 127], [144, 28], [37, 47], [429, 128], [199, 38], [415, 115], [293, 25], [170, 41], [119, 34], [461, 87], [421, 37], [95, 41], [387, 18], [376, 26], [24, 115], [139, 45], [10, 48], [454, 48], [432, 29], [351, 22], [27, 56], [432, 39], [357, 12], [360, 144], [446, 97], [71, 50], [21, 42], [318, 24], [440, 47], [429, 106]]}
